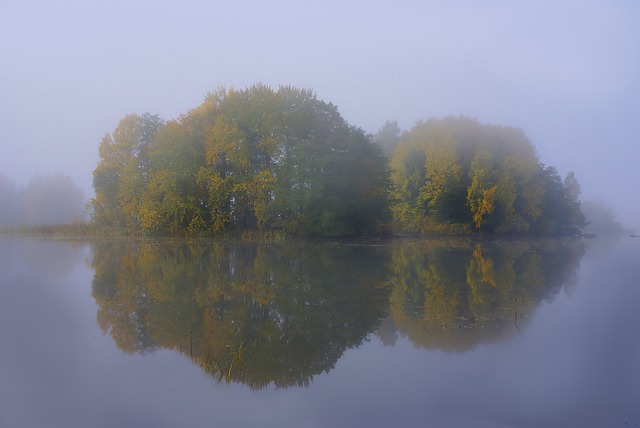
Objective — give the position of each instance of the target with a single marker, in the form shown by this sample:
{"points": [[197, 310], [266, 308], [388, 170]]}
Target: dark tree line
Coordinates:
{"points": [[283, 160]]}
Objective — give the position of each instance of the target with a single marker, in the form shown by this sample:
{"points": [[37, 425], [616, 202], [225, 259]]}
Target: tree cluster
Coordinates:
{"points": [[456, 175], [283, 160], [245, 159]]}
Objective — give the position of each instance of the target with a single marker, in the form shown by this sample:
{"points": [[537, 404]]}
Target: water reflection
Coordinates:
{"points": [[282, 314], [453, 295], [294, 309]]}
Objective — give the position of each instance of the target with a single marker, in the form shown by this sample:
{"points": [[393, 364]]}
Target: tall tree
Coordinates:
{"points": [[122, 174]]}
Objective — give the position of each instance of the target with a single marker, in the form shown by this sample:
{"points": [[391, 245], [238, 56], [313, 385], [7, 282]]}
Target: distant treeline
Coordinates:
{"points": [[284, 161], [46, 200]]}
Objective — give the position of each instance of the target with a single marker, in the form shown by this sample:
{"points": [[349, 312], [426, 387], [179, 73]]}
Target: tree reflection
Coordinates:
{"points": [[455, 294], [294, 309], [280, 314]]}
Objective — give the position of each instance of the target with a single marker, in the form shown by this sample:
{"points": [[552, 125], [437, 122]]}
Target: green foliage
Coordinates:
{"points": [[456, 175], [123, 172], [560, 208], [283, 161], [253, 159]]}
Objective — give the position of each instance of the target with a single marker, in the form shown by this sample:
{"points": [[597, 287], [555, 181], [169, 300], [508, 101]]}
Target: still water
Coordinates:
{"points": [[406, 333]]}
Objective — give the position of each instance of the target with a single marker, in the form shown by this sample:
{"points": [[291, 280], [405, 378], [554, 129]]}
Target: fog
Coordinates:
{"points": [[47, 199], [566, 72]]}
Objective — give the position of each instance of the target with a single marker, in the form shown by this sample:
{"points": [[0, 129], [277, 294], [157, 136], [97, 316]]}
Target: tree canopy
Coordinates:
{"points": [[456, 175], [283, 160], [257, 158]]}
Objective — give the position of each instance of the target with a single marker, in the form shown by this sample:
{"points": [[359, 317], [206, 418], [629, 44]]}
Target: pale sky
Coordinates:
{"points": [[565, 71]]}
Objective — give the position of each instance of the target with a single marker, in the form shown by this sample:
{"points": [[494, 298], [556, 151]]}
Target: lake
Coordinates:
{"points": [[390, 333]]}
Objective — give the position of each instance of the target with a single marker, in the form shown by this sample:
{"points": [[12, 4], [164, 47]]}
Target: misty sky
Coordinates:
{"points": [[565, 71]]}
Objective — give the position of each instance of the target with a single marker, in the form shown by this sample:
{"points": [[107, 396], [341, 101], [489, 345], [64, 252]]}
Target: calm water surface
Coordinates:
{"points": [[443, 333]]}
